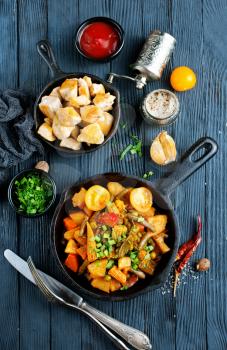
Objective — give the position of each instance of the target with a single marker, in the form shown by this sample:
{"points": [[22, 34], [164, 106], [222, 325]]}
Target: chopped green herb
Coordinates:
{"points": [[112, 241], [34, 194], [140, 219], [110, 264], [104, 228], [123, 125], [134, 148], [148, 174], [97, 239], [124, 288]]}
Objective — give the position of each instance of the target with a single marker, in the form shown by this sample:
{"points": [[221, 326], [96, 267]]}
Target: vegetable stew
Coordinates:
{"points": [[114, 236]]}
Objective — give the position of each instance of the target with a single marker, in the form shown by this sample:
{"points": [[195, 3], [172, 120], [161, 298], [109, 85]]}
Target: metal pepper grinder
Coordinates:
{"points": [[152, 59]]}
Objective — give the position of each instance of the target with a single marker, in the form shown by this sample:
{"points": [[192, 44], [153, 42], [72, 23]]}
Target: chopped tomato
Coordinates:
{"points": [[109, 219]]}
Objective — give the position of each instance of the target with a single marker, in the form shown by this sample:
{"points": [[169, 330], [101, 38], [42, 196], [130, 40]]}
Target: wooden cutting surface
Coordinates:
{"points": [[197, 318]]}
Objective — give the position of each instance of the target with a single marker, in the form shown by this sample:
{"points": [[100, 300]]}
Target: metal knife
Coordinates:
{"points": [[133, 336]]}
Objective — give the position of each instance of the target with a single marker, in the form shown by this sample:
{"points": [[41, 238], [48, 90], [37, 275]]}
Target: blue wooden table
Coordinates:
{"points": [[197, 318]]}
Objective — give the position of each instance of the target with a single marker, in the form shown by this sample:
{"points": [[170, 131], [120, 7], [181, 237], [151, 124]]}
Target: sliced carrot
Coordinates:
{"points": [[117, 274], [91, 245], [72, 262], [82, 251], [142, 254], [69, 224], [82, 240]]}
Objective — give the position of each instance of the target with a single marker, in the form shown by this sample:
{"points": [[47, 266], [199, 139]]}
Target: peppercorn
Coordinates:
{"points": [[203, 264]]}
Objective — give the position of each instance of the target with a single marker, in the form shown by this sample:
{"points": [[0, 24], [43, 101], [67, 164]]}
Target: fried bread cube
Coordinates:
{"points": [[106, 124], [71, 143], [97, 89], [104, 101], [83, 88], [91, 114], [69, 89], [67, 116], [45, 130], [79, 101], [56, 92], [75, 132], [91, 134], [49, 105], [88, 80], [61, 131]]}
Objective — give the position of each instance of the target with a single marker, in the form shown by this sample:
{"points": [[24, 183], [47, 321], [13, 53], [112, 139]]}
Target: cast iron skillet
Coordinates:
{"points": [[161, 190], [45, 50]]}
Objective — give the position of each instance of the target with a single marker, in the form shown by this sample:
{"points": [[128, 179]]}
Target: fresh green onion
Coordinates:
{"points": [[110, 264], [97, 239], [112, 242]]}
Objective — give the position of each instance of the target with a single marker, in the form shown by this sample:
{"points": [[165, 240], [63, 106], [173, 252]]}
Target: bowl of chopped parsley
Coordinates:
{"points": [[32, 192]]}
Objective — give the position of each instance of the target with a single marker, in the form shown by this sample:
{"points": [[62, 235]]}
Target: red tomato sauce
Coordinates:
{"points": [[99, 40]]}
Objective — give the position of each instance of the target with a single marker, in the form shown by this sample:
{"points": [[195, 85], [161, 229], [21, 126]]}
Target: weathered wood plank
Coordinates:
{"points": [[79, 332], [34, 331], [9, 286], [214, 96], [190, 197]]}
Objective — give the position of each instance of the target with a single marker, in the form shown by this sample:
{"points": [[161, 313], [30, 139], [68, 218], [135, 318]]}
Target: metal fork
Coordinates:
{"points": [[51, 289]]}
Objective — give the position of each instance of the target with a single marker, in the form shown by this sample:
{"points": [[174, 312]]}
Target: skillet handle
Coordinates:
{"points": [[45, 50], [187, 165]]}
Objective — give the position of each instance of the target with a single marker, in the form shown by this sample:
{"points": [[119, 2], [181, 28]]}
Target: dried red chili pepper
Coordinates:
{"points": [[186, 251], [189, 244]]}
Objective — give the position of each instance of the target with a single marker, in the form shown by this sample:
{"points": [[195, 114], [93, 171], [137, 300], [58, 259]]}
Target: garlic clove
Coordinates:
{"points": [[168, 146], [156, 152], [163, 149]]}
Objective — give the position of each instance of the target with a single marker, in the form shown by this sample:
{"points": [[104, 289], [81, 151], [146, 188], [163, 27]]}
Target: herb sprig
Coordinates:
{"points": [[134, 148]]}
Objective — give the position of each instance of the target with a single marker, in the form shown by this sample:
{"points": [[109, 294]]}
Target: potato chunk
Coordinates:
{"points": [[68, 116], [97, 89], [106, 124], [49, 106], [45, 130], [91, 134], [70, 143], [158, 223], [91, 114], [69, 89], [60, 131], [104, 101]]}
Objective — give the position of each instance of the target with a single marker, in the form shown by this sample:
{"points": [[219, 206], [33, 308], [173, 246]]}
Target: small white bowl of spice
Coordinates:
{"points": [[160, 107]]}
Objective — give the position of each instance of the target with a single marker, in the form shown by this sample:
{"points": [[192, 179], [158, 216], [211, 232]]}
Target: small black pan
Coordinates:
{"points": [[45, 50], [161, 190]]}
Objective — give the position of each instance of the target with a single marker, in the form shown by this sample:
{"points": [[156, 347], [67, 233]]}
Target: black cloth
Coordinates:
{"points": [[17, 140]]}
